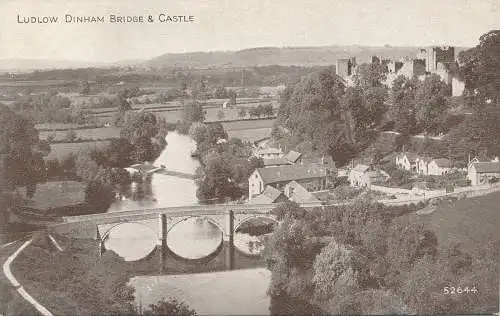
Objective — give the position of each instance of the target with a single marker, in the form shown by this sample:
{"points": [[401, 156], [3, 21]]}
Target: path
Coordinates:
{"points": [[19, 288]]}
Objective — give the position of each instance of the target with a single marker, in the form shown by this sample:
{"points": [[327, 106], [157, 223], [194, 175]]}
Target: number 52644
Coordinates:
{"points": [[452, 290]]}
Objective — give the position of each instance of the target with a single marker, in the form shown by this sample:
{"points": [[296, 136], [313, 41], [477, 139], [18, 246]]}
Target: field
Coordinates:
{"points": [[250, 124], [61, 150], [472, 222], [251, 135], [91, 133], [59, 126]]}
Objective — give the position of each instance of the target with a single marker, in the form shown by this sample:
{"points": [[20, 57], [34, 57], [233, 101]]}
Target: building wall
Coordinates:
{"points": [[313, 184], [457, 87], [422, 166], [255, 185], [480, 178], [358, 179], [404, 163], [436, 170], [342, 68], [443, 72], [435, 55], [415, 67]]}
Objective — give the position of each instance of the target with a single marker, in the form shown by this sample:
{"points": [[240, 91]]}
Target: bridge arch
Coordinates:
{"points": [[240, 219], [130, 250], [209, 219], [109, 229]]}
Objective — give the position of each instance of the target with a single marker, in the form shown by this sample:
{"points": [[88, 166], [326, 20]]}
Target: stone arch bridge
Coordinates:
{"points": [[228, 218]]}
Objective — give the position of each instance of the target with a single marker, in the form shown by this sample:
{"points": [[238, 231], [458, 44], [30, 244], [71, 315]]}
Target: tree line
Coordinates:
{"points": [[321, 113], [360, 259]]}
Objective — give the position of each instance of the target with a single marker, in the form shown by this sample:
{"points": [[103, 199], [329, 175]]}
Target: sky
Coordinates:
{"points": [[237, 24]]}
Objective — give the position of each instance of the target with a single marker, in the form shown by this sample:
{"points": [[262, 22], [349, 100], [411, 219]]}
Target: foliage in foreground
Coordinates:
{"points": [[358, 259], [77, 281]]}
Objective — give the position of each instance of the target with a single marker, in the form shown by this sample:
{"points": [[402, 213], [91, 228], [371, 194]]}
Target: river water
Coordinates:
{"points": [[231, 292]]}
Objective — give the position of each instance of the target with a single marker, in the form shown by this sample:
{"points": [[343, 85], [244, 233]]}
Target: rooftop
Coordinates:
{"points": [[269, 150], [411, 156], [290, 173], [293, 156], [361, 168], [269, 195], [299, 194], [443, 162], [487, 167], [275, 162]]}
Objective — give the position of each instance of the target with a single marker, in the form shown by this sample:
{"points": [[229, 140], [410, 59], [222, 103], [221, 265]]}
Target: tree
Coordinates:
{"points": [[119, 153], [220, 93], [476, 135], [123, 103], [172, 308], [70, 136], [18, 142], [371, 75], [232, 96], [479, 66], [267, 110], [99, 196], [255, 112], [242, 113], [193, 112], [313, 112], [85, 88], [402, 110], [334, 267], [431, 101]]}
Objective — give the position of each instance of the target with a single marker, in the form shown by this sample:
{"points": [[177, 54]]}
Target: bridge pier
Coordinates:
{"points": [[229, 238], [100, 243], [162, 234]]}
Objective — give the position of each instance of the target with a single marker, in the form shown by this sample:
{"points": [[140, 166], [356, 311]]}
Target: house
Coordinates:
{"points": [[363, 176], [268, 153], [268, 196], [298, 194], [275, 162], [482, 172], [313, 178], [407, 161], [439, 167], [293, 156], [423, 165]]}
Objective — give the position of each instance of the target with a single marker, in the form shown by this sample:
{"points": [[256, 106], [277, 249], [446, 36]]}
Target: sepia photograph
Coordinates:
{"points": [[250, 157]]}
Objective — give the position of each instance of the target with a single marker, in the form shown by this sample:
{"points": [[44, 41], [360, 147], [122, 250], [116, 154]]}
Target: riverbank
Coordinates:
{"points": [[397, 258], [73, 281]]}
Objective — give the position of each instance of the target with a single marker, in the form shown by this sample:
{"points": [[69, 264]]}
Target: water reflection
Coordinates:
{"points": [[194, 238], [132, 241], [240, 292], [162, 190]]}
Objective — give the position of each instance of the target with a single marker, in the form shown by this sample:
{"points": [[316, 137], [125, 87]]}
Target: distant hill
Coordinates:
{"points": [[22, 65], [264, 56], [260, 56]]}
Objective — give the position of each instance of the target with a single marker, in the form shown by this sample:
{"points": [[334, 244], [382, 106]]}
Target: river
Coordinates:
{"points": [[229, 292]]}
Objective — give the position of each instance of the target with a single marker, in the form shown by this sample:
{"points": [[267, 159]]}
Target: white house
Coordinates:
{"points": [[423, 165], [407, 161], [439, 167], [313, 178], [297, 193], [362, 176], [268, 153], [482, 172]]}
